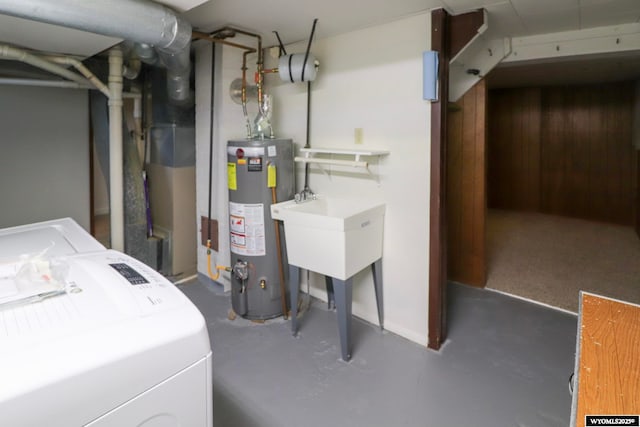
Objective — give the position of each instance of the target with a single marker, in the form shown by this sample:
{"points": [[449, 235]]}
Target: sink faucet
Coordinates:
{"points": [[305, 195]]}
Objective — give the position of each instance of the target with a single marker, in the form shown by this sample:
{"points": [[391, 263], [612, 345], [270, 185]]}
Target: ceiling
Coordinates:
{"points": [[575, 71], [293, 20], [507, 18]]}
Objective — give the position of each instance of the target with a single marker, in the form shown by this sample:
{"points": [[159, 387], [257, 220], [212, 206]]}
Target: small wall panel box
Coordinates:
{"points": [[430, 75]]}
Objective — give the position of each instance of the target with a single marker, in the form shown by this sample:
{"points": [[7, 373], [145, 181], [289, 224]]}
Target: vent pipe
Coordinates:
{"points": [[140, 21]]}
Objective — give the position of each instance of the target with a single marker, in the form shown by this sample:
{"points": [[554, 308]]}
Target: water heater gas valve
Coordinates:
{"points": [[241, 270]]}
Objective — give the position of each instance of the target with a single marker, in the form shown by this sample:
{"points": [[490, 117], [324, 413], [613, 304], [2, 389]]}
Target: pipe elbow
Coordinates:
{"points": [[176, 33]]}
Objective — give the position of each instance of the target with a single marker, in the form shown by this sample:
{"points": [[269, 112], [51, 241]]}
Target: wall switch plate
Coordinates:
{"points": [[357, 136]]}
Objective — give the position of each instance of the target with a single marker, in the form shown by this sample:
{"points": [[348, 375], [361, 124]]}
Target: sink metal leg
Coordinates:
{"points": [[331, 298], [376, 269], [343, 293], [294, 286]]}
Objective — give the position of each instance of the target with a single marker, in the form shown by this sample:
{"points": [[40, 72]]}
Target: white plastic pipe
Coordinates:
{"points": [[116, 167], [42, 83], [95, 81], [21, 55]]}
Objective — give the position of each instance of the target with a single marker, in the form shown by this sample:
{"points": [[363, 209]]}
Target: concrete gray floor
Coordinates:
{"points": [[506, 363]]}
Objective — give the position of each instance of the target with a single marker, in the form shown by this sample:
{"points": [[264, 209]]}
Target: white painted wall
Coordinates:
{"points": [[369, 79], [44, 166]]}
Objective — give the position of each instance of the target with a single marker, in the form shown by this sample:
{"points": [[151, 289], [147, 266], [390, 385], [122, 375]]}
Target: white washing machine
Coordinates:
{"points": [[122, 346], [59, 237]]}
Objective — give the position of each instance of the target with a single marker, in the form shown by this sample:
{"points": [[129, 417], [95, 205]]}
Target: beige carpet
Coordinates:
{"points": [[549, 259]]}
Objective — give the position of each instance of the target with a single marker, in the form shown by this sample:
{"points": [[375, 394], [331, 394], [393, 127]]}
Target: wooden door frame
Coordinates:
{"points": [[449, 35], [437, 213]]}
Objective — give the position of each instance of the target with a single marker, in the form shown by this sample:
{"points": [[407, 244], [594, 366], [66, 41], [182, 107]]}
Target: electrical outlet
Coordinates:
{"points": [[357, 136]]}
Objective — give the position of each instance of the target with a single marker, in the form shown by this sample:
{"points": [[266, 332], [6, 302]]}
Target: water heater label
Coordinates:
{"points": [[271, 151], [255, 164], [231, 176], [247, 228]]}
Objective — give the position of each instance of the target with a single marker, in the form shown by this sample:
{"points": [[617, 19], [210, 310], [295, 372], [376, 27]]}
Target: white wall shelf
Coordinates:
{"points": [[325, 156], [310, 156]]}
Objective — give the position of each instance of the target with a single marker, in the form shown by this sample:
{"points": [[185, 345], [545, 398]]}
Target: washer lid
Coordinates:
{"points": [[58, 237]]}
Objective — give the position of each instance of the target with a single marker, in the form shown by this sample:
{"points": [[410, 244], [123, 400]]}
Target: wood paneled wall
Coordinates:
{"points": [[513, 170], [466, 188], [564, 151]]}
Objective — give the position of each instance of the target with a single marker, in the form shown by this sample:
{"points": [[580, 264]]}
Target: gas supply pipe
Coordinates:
{"points": [[219, 268]]}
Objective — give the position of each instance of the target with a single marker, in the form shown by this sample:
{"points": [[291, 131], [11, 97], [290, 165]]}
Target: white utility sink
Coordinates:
{"points": [[333, 236]]}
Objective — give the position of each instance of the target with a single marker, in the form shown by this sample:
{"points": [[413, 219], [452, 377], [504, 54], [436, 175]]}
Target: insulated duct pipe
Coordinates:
{"points": [[141, 21], [146, 53]]}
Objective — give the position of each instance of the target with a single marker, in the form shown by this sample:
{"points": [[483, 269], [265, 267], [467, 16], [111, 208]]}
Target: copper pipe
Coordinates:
{"points": [[204, 36], [246, 33], [259, 64], [244, 94], [259, 72], [244, 74]]}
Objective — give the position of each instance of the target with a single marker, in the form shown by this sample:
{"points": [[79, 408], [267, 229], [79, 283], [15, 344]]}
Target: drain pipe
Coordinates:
{"points": [[16, 54], [50, 64], [67, 60], [116, 172], [42, 83]]}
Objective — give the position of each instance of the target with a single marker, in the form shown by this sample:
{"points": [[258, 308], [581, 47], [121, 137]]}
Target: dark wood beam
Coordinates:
{"points": [[437, 218], [449, 35], [462, 29]]}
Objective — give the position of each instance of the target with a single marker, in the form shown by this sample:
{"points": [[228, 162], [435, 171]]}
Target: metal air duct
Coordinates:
{"points": [[141, 21]]}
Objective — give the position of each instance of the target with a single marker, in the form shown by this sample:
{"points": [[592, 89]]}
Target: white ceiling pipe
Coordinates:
{"points": [[21, 55], [140, 21], [65, 84], [67, 60]]}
